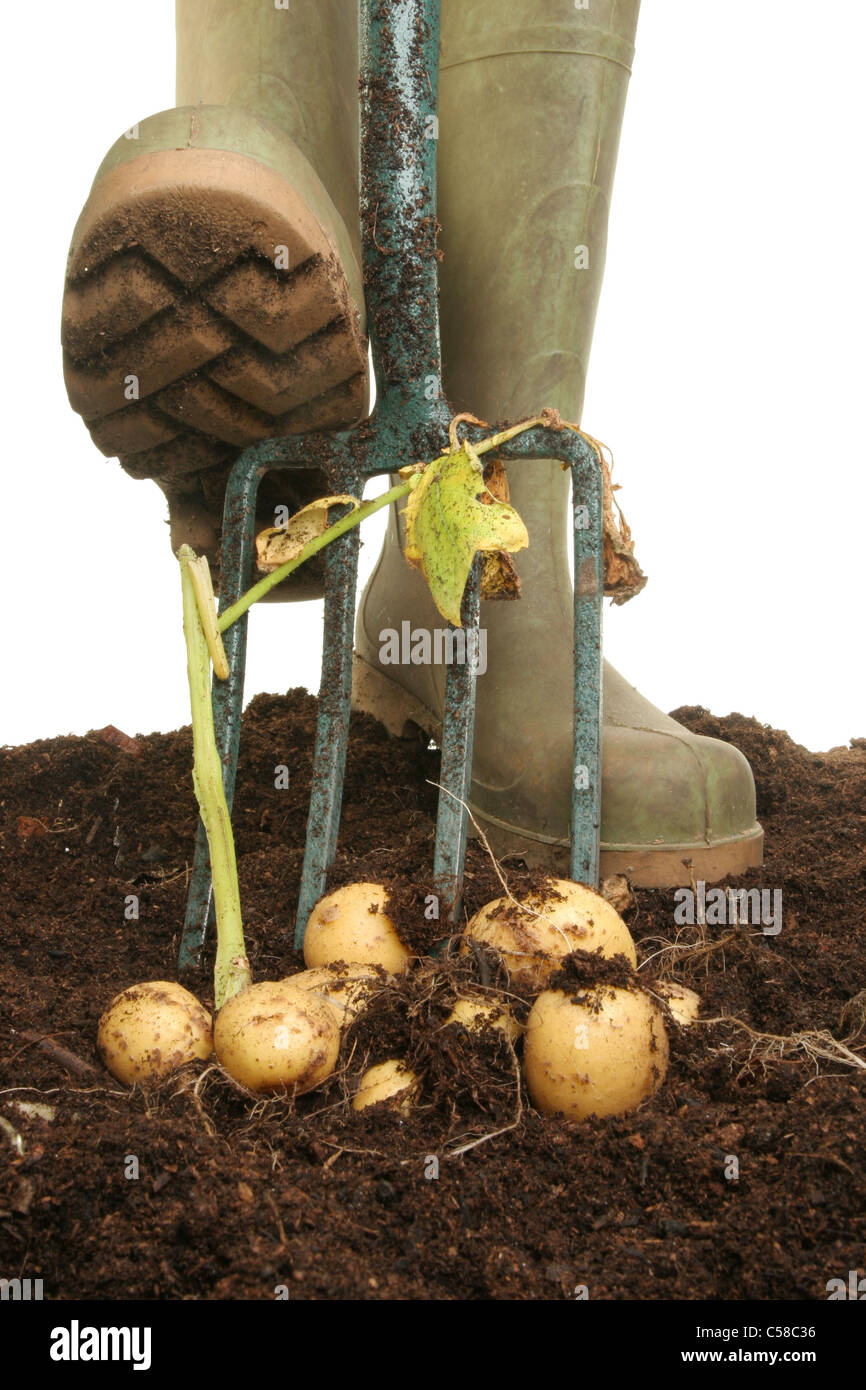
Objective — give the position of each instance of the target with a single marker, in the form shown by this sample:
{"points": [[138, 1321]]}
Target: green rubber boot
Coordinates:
{"points": [[531, 105], [214, 294]]}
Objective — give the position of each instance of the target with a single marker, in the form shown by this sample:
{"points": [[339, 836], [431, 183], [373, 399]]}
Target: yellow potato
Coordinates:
{"points": [[276, 1037], [390, 1081], [683, 1002], [475, 1014], [600, 1054], [152, 1029], [349, 990], [351, 924], [569, 917]]}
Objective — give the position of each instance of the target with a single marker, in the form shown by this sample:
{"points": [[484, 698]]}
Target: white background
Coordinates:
{"points": [[727, 375]]}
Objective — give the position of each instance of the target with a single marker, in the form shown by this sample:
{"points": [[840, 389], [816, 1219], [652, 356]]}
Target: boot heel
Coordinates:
{"points": [[400, 713]]}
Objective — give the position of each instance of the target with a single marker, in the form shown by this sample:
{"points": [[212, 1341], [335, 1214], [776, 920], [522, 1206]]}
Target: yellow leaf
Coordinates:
{"points": [[450, 516], [278, 544]]}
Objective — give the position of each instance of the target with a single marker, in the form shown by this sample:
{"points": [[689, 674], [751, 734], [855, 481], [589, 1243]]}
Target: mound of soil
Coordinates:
{"points": [[742, 1178]]}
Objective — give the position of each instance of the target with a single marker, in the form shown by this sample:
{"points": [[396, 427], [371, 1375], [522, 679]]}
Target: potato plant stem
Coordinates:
{"points": [[339, 528], [231, 970]]}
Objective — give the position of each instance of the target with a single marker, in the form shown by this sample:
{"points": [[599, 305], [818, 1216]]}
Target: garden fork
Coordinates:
{"points": [[399, 86]]}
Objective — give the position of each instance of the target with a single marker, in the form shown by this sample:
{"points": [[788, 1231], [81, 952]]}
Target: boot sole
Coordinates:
{"points": [[174, 297], [668, 866]]}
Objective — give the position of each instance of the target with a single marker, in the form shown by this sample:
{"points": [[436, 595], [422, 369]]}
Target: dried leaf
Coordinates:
{"points": [[499, 578], [496, 481], [623, 576], [278, 544]]}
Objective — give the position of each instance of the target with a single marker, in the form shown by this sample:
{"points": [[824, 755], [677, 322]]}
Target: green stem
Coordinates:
{"points": [[231, 970], [504, 435], [339, 528]]}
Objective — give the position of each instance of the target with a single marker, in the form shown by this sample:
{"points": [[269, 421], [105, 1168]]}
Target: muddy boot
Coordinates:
{"points": [[213, 293], [531, 104]]}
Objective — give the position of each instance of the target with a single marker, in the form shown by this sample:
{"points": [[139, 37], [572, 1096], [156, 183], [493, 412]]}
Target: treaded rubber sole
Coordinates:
{"points": [[646, 866], [205, 309]]}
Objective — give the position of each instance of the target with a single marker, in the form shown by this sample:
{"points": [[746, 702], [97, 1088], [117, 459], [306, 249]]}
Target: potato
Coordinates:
{"points": [[351, 925], [348, 989], [390, 1081], [475, 1014], [532, 946], [274, 1036], [152, 1029], [601, 1053], [683, 1002]]}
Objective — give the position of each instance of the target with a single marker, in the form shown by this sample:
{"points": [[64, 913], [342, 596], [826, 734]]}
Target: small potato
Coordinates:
{"points": [[683, 1002], [390, 1081], [349, 989], [275, 1037], [351, 924], [568, 917], [601, 1053], [152, 1029], [476, 1014]]}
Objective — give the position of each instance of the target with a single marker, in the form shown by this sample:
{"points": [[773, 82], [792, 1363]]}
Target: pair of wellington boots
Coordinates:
{"points": [[214, 298]]}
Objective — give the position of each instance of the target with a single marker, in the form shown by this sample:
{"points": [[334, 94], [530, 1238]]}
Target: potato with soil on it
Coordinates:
{"points": [[391, 1083], [684, 1003], [349, 989], [600, 1052], [533, 937], [352, 925], [151, 1029], [478, 1013], [274, 1037]]}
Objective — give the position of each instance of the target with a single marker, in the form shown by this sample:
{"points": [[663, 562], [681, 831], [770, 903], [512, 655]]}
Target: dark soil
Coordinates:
{"points": [[235, 1198]]}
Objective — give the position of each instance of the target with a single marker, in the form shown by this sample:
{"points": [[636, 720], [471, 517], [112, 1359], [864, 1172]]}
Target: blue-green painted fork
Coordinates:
{"points": [[400, 60]]}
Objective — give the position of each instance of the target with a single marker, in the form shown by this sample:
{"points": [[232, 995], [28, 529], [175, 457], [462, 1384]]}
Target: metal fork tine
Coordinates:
{"points": [[332, 730], [587, 491], [458, 729]]}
